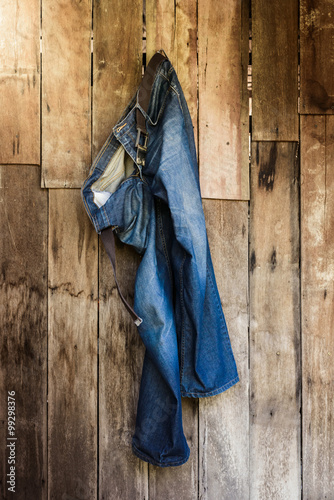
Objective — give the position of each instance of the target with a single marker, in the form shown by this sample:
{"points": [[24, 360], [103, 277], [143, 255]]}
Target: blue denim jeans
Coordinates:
{"points": [[157, 209]]}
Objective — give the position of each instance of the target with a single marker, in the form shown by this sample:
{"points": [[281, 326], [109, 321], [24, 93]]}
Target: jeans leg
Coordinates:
{"points": [[159, 437]]}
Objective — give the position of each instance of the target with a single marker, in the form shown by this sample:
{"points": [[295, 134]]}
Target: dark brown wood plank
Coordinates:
{"points": [[223, 43], [66, 100], [72, 348], [274, 323], [115, 79], [224, 419], [316, 57], [20, 82], [23, 328], [275, 70], [317, 278]]}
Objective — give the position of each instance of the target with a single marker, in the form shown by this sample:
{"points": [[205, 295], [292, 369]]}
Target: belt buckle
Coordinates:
{"points": [[141, 148]]}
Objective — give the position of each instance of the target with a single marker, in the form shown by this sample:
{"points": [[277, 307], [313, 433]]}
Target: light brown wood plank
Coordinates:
{"points": [[223, 99], [274, 323], [116, 68], [224, 429], [23, 328], [121, 473], [317, 278], [66, 102], [275, 70], [72, 350], [173, 28], [316, 57], [20, 82]]}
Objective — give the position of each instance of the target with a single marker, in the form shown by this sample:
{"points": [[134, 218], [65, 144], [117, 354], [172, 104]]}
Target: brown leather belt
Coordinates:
{"points": [[143, 99]]}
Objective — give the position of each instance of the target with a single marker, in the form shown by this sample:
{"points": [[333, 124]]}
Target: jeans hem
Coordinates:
{"points": [[186, 394], [151, 461]]}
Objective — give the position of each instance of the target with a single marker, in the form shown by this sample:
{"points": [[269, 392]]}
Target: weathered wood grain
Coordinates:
{"points": [[317, 278], [275, 70], [66, 102], [115, 79], [316, 57], [116, 68], [223, 424], [19, 81], [72, 350], [172, 26], [121, 355], [23, 328], [223, 99], [274, 323]]}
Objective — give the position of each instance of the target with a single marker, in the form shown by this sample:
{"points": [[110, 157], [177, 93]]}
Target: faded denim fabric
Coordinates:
{"points": [[158, 210]]}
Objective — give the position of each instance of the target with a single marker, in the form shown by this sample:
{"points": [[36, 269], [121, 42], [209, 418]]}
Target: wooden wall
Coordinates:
{"points": [[67, 347]]}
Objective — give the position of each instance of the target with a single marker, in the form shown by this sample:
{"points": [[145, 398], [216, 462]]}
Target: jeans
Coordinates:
{"points": [[157, 209]]}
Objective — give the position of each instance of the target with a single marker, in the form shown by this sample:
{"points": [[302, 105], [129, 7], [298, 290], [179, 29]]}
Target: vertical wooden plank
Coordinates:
{"points": [[224, 419], [23, 329], [72, 386], [316, 57], [19, 81], [173, 27], [121, 474], [274, 323], [317, 245], [275, 70], [223, 99], [116, 69], [66, 103]]}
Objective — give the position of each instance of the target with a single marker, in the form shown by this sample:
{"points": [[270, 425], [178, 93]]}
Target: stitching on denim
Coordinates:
{"points": [[163, 76], [92, 170], [216, 295], [211, 393], [161, 109], [182, 316], [227, 345], [164, 246], [86, 204], [178, 98], [106, 215], [171, 69], [155, 462]]}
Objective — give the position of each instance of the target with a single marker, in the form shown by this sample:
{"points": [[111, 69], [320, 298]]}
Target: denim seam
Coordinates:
{"points": [[227, 346], [161, 110], [171, 69], [178, 98], [92, 170], [211, 393], [182, 316], [159, 73], [151, 461], [106, 215], [164, 246]]}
